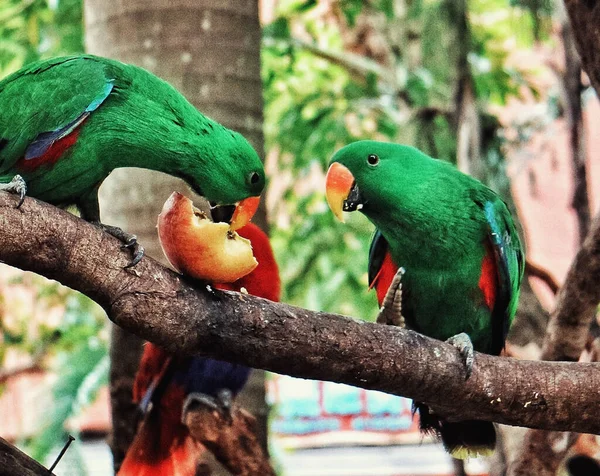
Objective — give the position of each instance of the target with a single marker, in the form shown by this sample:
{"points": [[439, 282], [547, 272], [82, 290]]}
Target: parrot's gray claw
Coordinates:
{"points": [[465, 348], [225, 398], [222, 403], [136, 248], [16, 185], [391, 308], [129, 242], [196, 400]]}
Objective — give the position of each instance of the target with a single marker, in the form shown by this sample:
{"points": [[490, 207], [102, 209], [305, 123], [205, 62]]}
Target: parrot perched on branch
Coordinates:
{"points": [[66, 123], [446, 260], [164, 383]]}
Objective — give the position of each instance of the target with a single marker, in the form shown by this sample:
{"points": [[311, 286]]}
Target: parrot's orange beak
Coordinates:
{"points": [[244, 211], [338, 183]]}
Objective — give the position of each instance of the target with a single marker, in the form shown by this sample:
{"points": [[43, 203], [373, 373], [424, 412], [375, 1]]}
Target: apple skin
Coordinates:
{"points": [[244, 211], [198, 247]]}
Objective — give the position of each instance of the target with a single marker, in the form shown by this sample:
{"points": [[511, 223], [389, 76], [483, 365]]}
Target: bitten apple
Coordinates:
{"points": [[198, 247]]}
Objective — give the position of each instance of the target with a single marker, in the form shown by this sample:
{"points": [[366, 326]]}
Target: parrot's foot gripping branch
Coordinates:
{"points": [[16, 185], [221, 403], [465, 348], [391, 308], [129, 242]]}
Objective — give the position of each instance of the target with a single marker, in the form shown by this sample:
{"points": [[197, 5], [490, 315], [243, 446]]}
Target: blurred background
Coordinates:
{"points": [[492, 86]]}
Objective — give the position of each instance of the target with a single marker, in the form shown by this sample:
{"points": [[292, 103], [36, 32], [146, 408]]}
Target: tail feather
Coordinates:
{"points": [[162, 444], [462, 439]]}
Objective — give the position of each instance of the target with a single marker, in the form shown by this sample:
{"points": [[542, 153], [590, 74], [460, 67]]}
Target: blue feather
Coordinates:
{"points": [[208, 376], [45, 140]]}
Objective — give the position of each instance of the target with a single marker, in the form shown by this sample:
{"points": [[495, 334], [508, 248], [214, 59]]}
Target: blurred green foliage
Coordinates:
{"points": [[63, 331], [35, 29], [80, 362]]}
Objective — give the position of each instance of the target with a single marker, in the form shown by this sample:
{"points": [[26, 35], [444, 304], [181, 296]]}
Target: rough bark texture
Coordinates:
{"points": [[574, 113], [209, 51], [233, 441], [124, 412], [159, 305], [585, 18], [548, 450], [14, 462]]}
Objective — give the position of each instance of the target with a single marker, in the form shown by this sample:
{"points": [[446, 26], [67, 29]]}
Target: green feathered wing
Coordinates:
{"points": [[56, 107]]}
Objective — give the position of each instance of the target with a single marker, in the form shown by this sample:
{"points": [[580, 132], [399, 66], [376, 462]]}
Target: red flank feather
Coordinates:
{"points": [[384, 277], [51, 156], [488, 281]]}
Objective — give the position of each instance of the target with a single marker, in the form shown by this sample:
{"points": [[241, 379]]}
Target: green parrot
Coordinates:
{"points": [[66, 123], [446, 260]]}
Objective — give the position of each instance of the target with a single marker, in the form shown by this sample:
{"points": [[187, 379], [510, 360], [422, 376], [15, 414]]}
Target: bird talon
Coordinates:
{"points": [[129, 242], [221, 403], [463, 343], [225, 399], [391, 309], [195, 400], [138, 254], [16, 185]]}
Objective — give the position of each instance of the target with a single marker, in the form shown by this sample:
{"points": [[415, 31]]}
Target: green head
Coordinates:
{"points": [[373, 176]]}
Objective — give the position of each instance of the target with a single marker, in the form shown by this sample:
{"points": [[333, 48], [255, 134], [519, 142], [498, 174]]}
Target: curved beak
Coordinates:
{"points": [[244, 211], [338, 184]]}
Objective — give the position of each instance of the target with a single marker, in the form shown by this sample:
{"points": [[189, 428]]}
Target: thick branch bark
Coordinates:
{"points": [[233, 441], [15, 462], [585, 18], [158, 305]]}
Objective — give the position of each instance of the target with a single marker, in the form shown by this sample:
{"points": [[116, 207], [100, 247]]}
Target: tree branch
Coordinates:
{"points": [[14, 462], [159, 305], [535, 271], [232, 439], [6, 375]]}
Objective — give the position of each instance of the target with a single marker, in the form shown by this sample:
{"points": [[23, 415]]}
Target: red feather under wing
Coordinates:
{"points": [[384, 277], [50, 156], [152, 366], [162, 444], [488, 280]]}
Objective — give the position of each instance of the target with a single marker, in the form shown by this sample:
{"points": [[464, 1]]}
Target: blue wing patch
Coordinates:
{"points": [[45, 140]]}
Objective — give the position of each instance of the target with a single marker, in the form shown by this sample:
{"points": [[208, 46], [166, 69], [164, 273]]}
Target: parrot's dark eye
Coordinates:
{"points": [[254, 178], [372, 159]]}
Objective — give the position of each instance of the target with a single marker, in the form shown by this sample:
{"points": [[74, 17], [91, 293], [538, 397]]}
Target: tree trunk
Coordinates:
{"points": [[211, 53], [572, 87]]}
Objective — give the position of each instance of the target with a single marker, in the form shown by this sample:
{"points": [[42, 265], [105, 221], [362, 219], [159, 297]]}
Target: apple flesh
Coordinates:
{"points": [[198, 247]]}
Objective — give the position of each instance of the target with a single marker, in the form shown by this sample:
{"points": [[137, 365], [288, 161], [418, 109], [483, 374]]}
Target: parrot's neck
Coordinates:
{"points": [[416, 237], [164, 151]]}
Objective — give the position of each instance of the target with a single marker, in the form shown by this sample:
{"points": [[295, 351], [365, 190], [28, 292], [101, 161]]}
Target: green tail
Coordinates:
{"points": [[462, 439]]}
